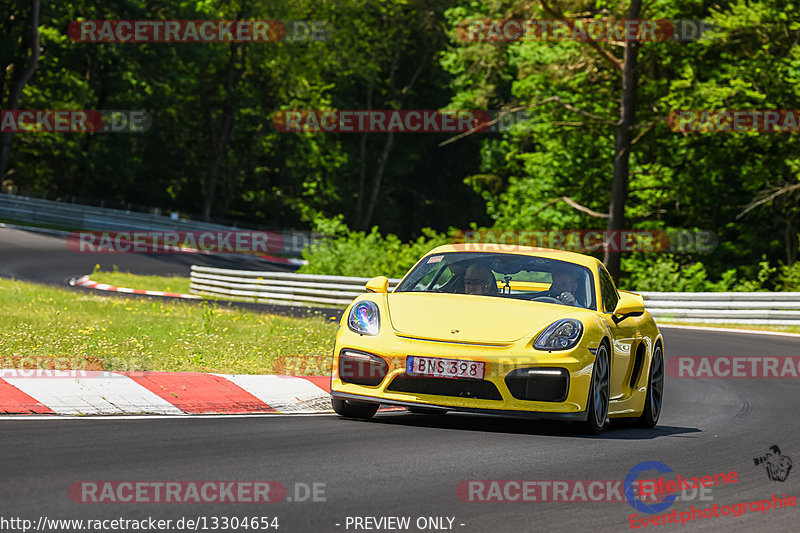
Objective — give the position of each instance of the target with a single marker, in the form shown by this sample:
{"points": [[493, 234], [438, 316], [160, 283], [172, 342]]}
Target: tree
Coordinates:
{"points": [[14, 62], [622, 143], [658, 178]]}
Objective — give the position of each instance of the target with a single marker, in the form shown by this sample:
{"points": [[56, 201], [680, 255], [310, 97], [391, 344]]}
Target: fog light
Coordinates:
{"points": [[362, 368]]}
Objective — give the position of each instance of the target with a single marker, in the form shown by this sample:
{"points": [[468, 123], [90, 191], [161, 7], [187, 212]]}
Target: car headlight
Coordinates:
{"points": [[560, 335], [364, 318]]}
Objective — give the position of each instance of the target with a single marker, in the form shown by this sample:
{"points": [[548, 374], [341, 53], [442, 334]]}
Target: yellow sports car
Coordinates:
{"points": [[510, 330]]}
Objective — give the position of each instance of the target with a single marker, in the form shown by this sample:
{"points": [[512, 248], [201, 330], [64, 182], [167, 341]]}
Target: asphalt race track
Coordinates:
{"points": [[33, 256], [405, 465]]}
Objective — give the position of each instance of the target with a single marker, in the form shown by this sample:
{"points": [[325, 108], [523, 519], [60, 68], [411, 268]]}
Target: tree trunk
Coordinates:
{"points": [[219, 142], [387, 149], [362, 175], [17, 85], [790, 240], [622, 146]]}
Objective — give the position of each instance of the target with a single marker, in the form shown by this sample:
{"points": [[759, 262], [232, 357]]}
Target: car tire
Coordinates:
{"points": [[655, 391], [425, 411], [351, 409], [597, 401]]}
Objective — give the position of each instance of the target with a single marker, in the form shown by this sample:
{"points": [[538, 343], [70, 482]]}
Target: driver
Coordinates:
{"points": [[480, 280], [564, 287]]}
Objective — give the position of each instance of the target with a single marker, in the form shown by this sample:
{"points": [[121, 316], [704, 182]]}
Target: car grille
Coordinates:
{"points": [[459, 388]]}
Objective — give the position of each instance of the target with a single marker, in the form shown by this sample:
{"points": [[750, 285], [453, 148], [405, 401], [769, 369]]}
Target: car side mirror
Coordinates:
{"points": [[629, 304], [378, 284]]}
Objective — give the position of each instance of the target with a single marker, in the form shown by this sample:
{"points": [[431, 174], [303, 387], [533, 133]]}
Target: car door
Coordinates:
{"points": [[623, 337]]}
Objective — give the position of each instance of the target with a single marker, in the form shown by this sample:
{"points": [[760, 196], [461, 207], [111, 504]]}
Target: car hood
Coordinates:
{"points": [[470, 318]]}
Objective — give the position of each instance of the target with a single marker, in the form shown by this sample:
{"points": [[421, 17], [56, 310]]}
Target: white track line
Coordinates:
{"points": [[731, 330], [184, 416]]}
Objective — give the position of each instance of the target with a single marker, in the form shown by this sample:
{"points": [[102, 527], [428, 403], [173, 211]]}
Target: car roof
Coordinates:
{"points": [[560, 255]]}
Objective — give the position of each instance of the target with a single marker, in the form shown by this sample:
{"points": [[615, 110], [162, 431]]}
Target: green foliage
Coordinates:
{"points": [[671, 273], [213, 146], [676, 179], [407, 54], [356, 253], [790, 277], [664, 273]]}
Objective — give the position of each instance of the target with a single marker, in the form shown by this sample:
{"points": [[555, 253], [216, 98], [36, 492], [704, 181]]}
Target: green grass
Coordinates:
{"points": [[177, 284], [46, 327], [759, 327], [135, 281], [39, 225], [181, 285]]}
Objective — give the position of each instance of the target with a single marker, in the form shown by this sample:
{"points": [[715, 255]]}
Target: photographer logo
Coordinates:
{"points": [[778, 466]]}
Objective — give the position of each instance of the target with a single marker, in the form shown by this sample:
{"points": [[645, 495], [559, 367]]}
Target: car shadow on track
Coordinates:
{"points": [[494, 424]]}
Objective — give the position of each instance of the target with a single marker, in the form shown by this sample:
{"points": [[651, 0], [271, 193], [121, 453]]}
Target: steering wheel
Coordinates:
{"points": [[548, 299]]}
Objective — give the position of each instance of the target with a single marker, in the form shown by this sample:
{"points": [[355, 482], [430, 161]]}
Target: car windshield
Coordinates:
{"points": [[515, 276]]}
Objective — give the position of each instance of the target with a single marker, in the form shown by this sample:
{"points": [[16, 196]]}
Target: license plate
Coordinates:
{"points": [[444, 368]]}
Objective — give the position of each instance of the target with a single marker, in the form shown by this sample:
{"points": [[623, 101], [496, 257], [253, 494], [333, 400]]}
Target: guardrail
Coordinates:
{"points": [[301, 289], [90, 218], [725, 307], [278, 287]]}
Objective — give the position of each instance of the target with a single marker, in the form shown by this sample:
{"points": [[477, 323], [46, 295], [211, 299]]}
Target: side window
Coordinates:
{"points": [[425, 280], [444, 279], [607, 291]]}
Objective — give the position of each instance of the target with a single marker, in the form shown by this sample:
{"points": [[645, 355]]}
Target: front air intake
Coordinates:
{"points": [[538, 384], [459, 388]]}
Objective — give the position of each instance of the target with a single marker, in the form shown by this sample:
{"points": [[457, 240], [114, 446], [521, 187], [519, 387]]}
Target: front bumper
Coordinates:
{"points": [[490, 395], [578, 416]]}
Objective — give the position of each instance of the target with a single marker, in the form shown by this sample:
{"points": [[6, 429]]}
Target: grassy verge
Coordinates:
{"points": [[758, 327], [168, 284], [181, 285], [39, 225], [45, 327], [135, 281]]}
